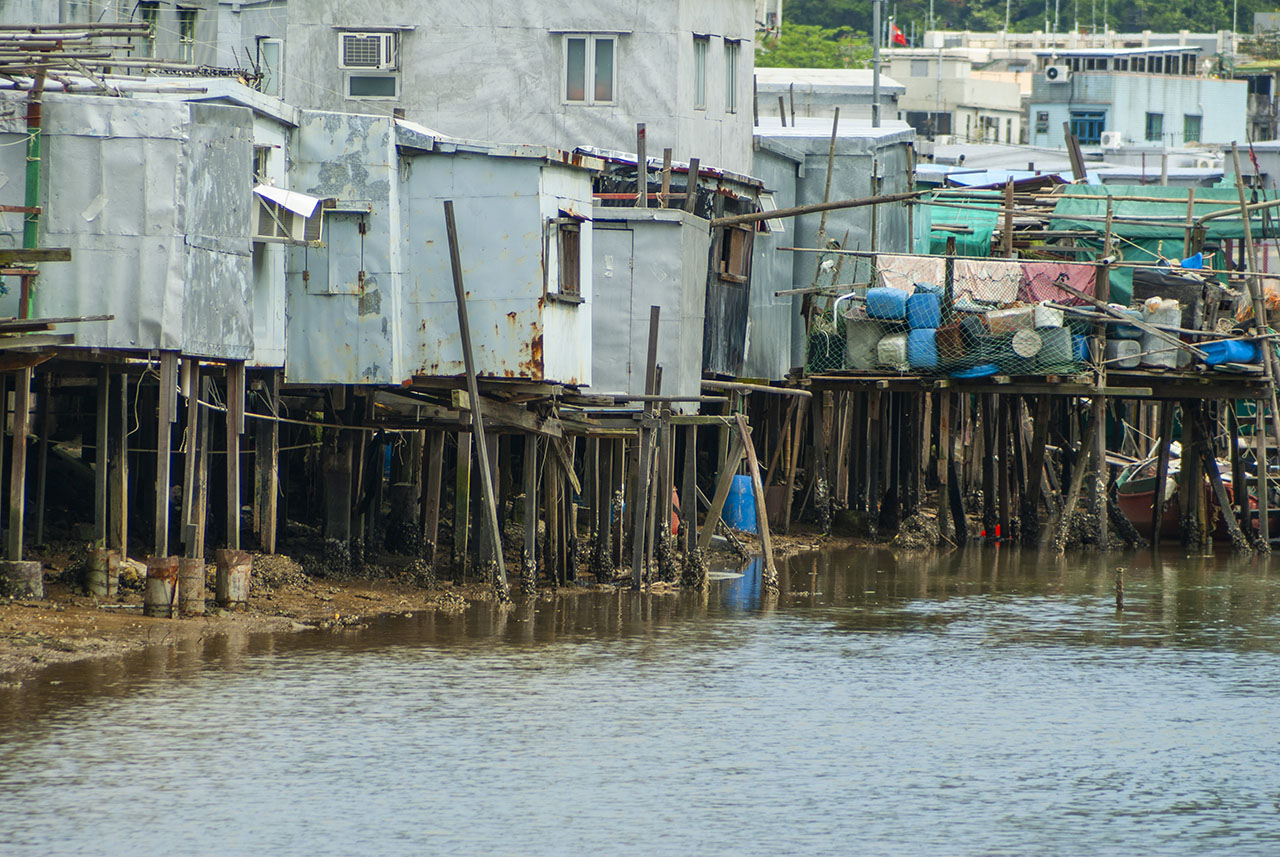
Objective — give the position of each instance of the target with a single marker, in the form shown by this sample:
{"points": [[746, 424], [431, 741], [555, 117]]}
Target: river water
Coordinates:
{"points": [[990, 702]]}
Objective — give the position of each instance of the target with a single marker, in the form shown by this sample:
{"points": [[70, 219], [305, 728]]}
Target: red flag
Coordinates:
{"points": [[896, 35]]}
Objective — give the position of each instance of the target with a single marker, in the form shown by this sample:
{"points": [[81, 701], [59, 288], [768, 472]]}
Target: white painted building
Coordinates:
{"points": [[946, 97], [552, 73]]}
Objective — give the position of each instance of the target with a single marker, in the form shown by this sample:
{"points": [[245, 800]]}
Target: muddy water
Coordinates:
{"points": [[984, 704]]}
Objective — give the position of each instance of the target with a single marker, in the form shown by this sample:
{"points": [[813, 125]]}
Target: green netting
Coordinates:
{"points": [[970, 227], [1162, 220]]}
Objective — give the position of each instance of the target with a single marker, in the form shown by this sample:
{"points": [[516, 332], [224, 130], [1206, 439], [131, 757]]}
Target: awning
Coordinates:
{"points": [[299, 203]]}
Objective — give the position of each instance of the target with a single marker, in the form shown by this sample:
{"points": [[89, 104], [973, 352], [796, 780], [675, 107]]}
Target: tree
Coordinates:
{"points": [[811, 46]]}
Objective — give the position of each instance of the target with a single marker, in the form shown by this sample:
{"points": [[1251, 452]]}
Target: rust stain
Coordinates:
{"points": [[511, 316]]}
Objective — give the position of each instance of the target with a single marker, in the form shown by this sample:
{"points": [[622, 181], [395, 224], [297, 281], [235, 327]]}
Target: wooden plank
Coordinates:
{"points": [[11, 255], [101, 500], [641, 482], [118, 456], [462, 502], [266, 455], [464, 327], [165, 417], [770, 582], [190, 465]]}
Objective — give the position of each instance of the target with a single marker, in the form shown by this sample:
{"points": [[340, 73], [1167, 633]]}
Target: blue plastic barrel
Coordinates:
{"points": [[922, 349], [1079, 349], [886, 304], [740, 508], [1231, 352], [924, 310]]}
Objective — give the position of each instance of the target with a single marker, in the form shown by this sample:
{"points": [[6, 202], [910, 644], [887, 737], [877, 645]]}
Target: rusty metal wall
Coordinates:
{"points": [[153, 198], [378, 307]]}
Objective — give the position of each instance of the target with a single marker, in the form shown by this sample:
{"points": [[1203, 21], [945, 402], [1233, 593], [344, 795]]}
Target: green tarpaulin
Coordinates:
{"points": [[1165, 221], [971, 227]]}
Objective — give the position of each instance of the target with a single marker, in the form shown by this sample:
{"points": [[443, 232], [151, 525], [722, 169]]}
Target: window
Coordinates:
{"points": [[270, 54], [774, 224], [735, 253], [1088, 126], [566, 239], [149, 14], [919, 68], [261, 157], [589, 69], [1155, 126], [701, 45], [731, 51], [1122, 65], [1042, 121], [1139, 64], [372, 60], [1156, 64], [1008, 130], [1190, 129], [187, 35]]}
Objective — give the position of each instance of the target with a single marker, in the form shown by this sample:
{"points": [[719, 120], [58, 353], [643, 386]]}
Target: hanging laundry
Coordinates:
{"points": [[906, 272], [987, 281], [1039, 279]]}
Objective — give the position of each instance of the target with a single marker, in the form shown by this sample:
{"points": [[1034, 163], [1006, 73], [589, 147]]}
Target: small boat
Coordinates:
{"points": [[1136, 496]]}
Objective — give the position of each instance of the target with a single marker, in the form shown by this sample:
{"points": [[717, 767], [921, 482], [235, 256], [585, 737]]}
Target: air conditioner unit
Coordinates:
{"points": [[287, 217], [1207, 164], [367, 50], [1057, 73], [1112, 139]]}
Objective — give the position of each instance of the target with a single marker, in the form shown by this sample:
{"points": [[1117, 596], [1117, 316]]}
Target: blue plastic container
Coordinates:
{"points": [[922, 349], [1125, 331], [1231, 352], [982, 370], [740, 508], [924, 310], [1080, 349], [886, 304]]}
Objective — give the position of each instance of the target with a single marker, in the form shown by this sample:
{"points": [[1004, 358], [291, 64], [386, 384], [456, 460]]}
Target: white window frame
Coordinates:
{"points": [[187, 40], [732, 55], [388, 49], [273, 80], [348, 76], [589, 68], [149, 13], [701, 52]]}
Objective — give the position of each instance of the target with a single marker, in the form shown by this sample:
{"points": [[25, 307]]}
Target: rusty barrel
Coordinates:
{"points": [[102, 578], [191, 586], [161, 594], [234, 567], [22, 578]]}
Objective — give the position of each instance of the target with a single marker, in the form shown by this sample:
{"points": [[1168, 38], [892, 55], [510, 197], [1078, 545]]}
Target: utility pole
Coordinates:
{"points": [[875, 64]]}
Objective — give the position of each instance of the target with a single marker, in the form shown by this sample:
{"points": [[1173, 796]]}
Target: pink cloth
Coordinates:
{"points": [[1039, 278]]}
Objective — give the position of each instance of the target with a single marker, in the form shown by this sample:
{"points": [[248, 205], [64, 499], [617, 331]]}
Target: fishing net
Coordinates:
{"points": [[930, 315]]}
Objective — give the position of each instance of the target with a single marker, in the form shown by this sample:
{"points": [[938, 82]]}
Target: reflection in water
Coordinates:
{"points": [[963, 703]]}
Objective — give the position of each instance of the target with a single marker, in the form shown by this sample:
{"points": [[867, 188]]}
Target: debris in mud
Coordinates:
{"points": [[919, 532], [272, 571]]}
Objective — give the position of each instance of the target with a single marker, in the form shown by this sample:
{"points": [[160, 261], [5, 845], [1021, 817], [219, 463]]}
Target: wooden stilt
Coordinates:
{"points": [[529, 552], [1078, 472], [1162, 470], [1029, 513], [168, 414], [1210, 462], [200, 512], [101, 476], [990, 510], [1264, 479], [235, 428], [433, 465], [191, 458], [267, 465], [118, 458], [462, 505], [44, 426], [796, 445], [18, 462], [1099, 406], [641, 511], [688, 491], [944, 463], [722, 494], [770, 582]]}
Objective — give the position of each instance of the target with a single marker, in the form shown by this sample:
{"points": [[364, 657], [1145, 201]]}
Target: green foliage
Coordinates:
{"points": [[1127, 16], [811, 46]]}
